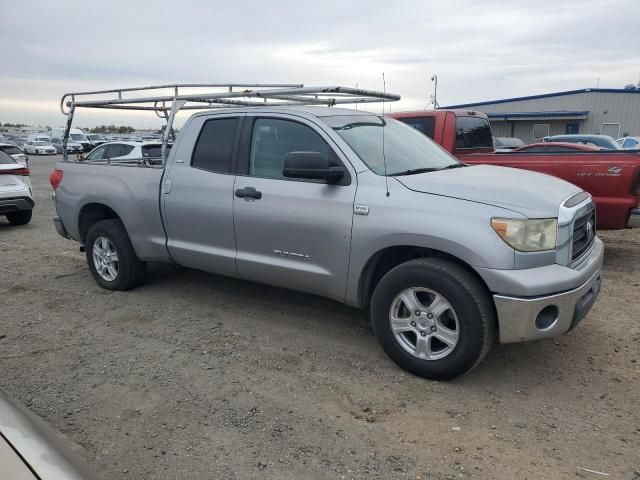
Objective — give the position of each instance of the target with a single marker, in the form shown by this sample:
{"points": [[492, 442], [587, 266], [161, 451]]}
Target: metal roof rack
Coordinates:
{"points": [[167, 100]]}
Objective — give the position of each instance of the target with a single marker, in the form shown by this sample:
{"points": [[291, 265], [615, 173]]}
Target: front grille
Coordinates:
{"points": [[584, 233]]}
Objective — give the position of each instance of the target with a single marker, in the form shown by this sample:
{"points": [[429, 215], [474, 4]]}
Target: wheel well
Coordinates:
{"points": [[384, 260], [90, 214]]}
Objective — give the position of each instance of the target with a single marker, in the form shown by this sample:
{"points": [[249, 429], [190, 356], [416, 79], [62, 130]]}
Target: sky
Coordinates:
{"points": [[480, 50]]}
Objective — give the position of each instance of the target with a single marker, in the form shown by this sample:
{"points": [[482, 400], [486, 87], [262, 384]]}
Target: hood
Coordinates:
{"points": [[532, 194]]}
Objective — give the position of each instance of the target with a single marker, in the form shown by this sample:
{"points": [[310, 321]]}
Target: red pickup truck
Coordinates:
{"points": [[611, 177]]}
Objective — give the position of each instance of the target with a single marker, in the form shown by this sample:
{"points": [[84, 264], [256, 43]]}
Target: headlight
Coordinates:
{"points": [[527, 235]]}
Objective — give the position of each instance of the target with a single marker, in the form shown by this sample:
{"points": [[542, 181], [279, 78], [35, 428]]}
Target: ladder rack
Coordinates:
{"points": [[167, 100]]}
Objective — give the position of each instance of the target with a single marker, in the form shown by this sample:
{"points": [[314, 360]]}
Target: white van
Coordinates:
{"points": [[76, 135]]}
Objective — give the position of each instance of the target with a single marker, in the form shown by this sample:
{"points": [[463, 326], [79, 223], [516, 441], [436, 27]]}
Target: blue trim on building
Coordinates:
{"points": [[563, 114], [544, 95]]}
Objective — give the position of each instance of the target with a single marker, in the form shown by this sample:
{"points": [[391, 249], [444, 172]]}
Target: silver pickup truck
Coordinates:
{"points": [[352, 206]]}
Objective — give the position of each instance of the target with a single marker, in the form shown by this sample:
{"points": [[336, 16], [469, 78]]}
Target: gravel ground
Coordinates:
{"points": [[198, 376]]}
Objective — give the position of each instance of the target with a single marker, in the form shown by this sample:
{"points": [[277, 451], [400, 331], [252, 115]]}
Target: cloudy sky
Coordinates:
{"points": [[480, 50]]}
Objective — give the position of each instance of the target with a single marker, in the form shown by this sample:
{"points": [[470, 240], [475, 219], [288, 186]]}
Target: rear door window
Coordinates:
{"points": [[214, 148], [425, 125], [473, 132]]}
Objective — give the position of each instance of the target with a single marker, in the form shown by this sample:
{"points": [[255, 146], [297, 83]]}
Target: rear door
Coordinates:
{"points": [[293, 233], [197, 194]]}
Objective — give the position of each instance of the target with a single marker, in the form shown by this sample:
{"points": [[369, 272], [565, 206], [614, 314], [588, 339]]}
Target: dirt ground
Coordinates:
{"points": [[196, 376]]}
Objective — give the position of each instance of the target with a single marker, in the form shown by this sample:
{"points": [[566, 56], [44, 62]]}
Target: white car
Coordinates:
{"points": [[39, 148], [16, 197], [15, 152], [125, 150], [629, 143]]}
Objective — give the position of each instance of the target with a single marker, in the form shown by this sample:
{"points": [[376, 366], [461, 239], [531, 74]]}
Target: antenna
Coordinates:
{"points": [[384, 157]]}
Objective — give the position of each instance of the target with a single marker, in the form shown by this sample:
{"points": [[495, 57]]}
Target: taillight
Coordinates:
{"points": [[56, 178], [17, 171]]}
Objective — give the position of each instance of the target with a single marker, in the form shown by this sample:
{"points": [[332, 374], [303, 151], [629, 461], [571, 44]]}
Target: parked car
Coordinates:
{"points": [[446, 257], [72, 147], [126, 151], [612, 177], [15, 152], [16, 197], [555, 147], [31, 450], [75, 135], [39, 148], [629, 143], [602, 141], [96, 139], [506, 144]]}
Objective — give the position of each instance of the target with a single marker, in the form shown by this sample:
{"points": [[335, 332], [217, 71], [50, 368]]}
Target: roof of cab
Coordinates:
{"points": [[310, 110]]}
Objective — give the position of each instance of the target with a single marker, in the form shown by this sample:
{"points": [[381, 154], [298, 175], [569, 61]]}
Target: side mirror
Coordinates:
{"points": [[311, 165]]}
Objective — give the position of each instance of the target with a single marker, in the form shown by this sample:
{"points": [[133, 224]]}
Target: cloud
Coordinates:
{"points": [[480, 50]]}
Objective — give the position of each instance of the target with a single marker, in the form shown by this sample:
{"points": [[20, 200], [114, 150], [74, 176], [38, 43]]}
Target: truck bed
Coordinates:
{"points": [[120, 186]]}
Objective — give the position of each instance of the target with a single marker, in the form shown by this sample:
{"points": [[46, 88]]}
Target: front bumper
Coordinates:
{"points": [[634, 218], [560, 297]]}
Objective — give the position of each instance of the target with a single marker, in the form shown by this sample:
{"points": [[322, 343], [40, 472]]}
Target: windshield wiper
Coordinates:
{"points": [[414, 171]]}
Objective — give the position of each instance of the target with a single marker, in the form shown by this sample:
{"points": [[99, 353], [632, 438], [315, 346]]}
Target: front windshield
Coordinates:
{"points": [[40, 144], [77, 136], [405, 148]]}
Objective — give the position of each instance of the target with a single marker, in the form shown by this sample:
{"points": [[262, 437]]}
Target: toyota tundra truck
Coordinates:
{"points": [[353, 206]]}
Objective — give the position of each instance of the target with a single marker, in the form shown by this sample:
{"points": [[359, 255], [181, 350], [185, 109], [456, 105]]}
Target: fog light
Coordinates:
{"points": [[547, 317]]}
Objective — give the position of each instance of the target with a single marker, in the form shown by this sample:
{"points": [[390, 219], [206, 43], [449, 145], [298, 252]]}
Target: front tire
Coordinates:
{"points": [[111, 258], [433, 318], [20, 218]]}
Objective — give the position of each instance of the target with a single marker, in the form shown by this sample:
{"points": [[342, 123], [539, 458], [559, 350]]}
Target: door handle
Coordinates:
{"points": [[248, 192]]}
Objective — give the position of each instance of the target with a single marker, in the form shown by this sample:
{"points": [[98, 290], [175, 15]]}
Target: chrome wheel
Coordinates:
{"points": [[105, 259], [424, 323]]}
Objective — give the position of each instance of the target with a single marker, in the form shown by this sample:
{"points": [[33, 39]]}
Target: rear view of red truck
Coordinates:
{"points": [[611, 177]]}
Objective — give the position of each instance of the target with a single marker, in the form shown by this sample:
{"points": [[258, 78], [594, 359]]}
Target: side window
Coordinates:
{"points": [[97, 154], [473, 132], [113, 150], [424, 125], [215, 145], [272, 139], [126, 150]]}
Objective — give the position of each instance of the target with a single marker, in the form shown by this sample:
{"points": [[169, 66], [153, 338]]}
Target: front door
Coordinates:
{"points": [[198, 195], [291, 232]]}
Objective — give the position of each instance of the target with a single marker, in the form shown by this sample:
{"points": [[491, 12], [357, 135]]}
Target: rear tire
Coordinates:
{"points": [[111, 257], [20, 218], [464, 318]]}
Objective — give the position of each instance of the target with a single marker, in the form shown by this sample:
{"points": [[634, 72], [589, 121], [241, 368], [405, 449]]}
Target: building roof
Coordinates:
{"points": [[546, 95]]}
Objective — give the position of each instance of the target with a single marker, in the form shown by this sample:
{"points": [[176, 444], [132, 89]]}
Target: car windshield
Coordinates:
{"points": [[78, 136], [40, 144], [406, 150]]}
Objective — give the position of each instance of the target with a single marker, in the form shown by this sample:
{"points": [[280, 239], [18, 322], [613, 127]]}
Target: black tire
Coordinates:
{"points": [[466, 295], [20, 218], [131, 269], [37, 152]]}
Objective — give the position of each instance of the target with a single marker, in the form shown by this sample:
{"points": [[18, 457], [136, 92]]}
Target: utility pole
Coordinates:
{"points": [[434, 97]]}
